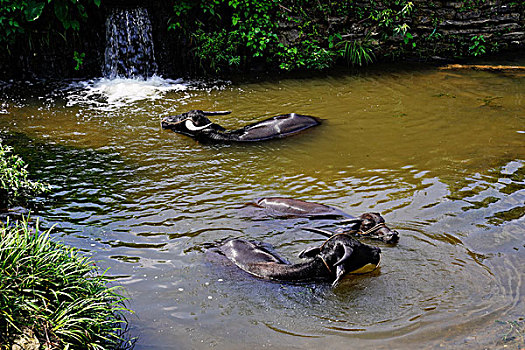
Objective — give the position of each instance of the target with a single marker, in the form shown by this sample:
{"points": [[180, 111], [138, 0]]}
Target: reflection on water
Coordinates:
{"points": [[441, 154]]}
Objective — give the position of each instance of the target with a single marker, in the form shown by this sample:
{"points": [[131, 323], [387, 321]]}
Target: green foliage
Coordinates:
{"points": [[477, 48], [225, 32], [232, 33], [390, 18], [434, 36], [402, 31], [393, 20], [33, 10], [468, 5], [28, 20], [308, 54], [56, 292], [359, 52], [224, 35], [14, 183], [79, 59], [217, 49]]}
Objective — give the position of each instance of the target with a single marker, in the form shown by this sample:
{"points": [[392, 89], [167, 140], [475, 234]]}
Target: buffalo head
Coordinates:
{"points": [[191, 123], [371, 225], [342, 254]]}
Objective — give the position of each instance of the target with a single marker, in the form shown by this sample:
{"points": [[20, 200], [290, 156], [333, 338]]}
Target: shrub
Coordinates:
{"points": [[17, 17], [53, 291], [14, 183], [478, 45], [226, 34]]}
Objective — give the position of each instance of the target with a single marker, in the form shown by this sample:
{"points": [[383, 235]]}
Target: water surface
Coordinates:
{"points": [[439, 153]]}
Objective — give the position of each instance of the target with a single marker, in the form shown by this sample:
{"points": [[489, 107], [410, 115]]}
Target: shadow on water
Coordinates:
{"points": [[439, 154]]}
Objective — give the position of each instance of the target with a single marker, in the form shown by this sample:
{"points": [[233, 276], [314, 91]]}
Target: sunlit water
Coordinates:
{"points": [[440, 154]]}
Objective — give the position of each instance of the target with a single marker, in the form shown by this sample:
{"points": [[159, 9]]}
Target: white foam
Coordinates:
{"points": [[120, 92]]}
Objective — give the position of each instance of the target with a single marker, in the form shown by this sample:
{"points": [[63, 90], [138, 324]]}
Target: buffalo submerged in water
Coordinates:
{"points": [[370, 225], [196, 125], [331, 261]]}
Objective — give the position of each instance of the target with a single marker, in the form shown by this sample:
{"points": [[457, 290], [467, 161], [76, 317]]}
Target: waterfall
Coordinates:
{"points": [[129, 44]]}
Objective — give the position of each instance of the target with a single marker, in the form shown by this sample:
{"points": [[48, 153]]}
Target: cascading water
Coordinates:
{"points": [[129, 68], [129, 44]]}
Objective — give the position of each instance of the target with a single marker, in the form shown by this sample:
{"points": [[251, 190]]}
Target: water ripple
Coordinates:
{"points": [[148, 202]]}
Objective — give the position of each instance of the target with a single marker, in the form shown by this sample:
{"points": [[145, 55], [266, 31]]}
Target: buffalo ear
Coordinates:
{"points": [[309, 252], [348, 253], [340, 272]]}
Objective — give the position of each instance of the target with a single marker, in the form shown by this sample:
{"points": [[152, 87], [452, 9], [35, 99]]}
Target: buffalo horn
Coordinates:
{"points": [[348, 254], [318, 230], [216, 112]]}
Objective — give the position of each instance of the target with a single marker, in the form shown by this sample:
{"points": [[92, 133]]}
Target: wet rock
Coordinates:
{"points": [[26, 341], [468, 15]]}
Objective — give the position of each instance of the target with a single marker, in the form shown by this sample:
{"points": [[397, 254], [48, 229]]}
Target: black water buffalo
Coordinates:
{"points": [[370, 225], [337, 256], [196, 125]]}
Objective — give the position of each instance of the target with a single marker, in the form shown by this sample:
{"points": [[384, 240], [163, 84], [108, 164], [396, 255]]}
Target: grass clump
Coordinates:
{"points": [[52, 291], [359, 52]]}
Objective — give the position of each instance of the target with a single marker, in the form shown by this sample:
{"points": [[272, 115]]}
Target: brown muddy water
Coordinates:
{"points": [[440, 154]]}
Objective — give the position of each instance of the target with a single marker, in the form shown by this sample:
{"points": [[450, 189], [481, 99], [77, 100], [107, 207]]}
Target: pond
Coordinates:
{"points": [[439, 153]]}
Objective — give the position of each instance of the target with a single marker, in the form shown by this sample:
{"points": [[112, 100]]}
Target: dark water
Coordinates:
{"points": [[439, 153]]}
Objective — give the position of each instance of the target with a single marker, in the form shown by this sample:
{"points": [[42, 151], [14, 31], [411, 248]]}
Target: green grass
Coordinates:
{"points": [[57, 293], [359, 52]]}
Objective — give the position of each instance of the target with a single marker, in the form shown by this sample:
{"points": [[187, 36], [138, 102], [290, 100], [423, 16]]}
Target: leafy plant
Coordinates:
{"points": [[402, 31], [359, 52], [35, 20], [216, 49], [79, 59], [235, 33], [14, 15], [395, 13], [15, 186], [55, 292], [477, 48], [225, 33], [308, 54]]}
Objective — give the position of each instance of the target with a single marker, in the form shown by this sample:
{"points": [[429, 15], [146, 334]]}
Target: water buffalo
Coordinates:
{"points": [[336, 257], [370, 225], [196, 125], [290, 207]]}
